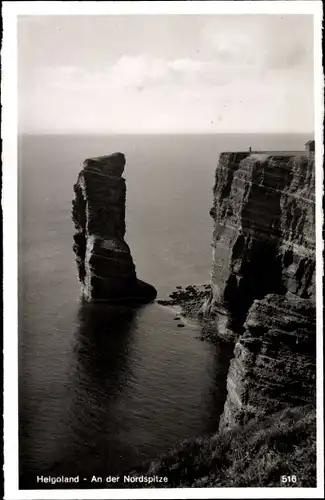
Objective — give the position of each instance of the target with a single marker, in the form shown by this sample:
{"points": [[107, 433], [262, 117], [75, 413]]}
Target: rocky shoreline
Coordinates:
{"points": [[190, 300]]}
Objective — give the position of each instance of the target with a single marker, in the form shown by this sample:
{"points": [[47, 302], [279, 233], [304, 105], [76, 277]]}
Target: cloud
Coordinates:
{"points": [[135, 72], [247, 76], [287, 56], [274, 42], [154, 94]]}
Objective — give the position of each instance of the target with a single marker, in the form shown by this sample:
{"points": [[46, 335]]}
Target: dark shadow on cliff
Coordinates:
{"points": [[257, 248], [223, 351]]}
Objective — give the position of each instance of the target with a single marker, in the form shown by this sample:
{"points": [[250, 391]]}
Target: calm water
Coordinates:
{"points": [[103, 388]]}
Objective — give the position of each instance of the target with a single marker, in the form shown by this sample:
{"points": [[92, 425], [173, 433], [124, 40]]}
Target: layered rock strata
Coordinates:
{"points": [[264, 239], [274, 361], [263, 280], [105, 265]]}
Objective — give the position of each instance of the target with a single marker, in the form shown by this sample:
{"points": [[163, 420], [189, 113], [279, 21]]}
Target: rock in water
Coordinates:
{"points": [[105, 265]]}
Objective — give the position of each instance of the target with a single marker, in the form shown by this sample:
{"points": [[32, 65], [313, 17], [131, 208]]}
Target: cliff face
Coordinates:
{"points": [[263, 240], [105, 265], [273, 367], [263, 280]]}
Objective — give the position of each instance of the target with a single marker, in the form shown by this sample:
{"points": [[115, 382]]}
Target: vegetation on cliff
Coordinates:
{"points": [[279, 450]]}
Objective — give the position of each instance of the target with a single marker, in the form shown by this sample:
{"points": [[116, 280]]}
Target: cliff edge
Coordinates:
{"points": [[105, 265]]}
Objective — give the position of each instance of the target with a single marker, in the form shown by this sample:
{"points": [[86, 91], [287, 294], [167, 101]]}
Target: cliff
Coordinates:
{"points": [[263, 280], [105, 265], [264, 233], [274, 363]]}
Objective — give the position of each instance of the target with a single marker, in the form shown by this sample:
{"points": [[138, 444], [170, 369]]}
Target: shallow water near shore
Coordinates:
{"points": [[102, 388]]}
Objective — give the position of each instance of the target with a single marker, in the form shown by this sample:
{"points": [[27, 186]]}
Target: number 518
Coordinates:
{"points": [[288, 479]]}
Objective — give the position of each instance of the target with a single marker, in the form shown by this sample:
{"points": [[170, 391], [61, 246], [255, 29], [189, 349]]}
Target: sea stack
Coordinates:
{"points": [[105, 265]]}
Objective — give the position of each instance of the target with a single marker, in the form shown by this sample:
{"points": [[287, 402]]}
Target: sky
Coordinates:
{"points": [[165, 74]]}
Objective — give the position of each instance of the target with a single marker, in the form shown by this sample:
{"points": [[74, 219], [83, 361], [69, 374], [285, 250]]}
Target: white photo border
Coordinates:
{"points": [[11, 10]]}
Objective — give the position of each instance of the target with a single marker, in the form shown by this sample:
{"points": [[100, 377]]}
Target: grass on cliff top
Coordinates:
{"points": [[256, 455]]}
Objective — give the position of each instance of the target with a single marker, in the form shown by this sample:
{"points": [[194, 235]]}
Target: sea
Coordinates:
{"points": [[102, 388]]}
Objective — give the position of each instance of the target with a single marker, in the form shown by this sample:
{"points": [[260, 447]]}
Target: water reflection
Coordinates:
{"points": [[102, 344], [101, 372]]}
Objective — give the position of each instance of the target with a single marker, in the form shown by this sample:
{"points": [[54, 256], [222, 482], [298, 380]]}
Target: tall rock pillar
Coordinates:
{"points": [[105, 265]]}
